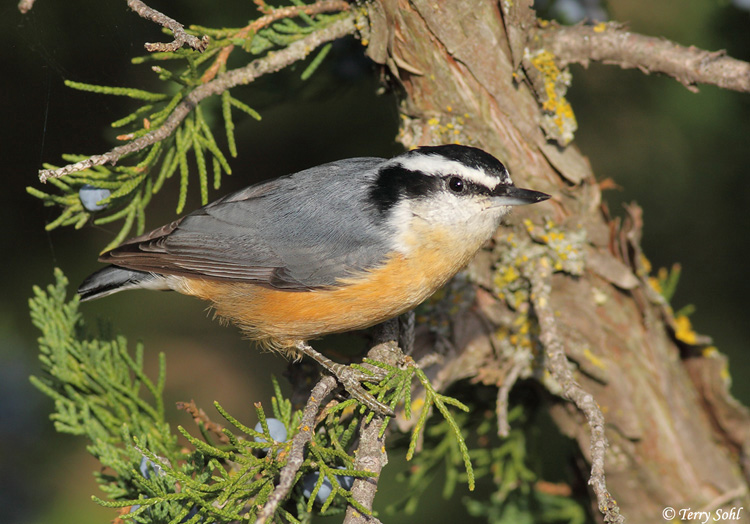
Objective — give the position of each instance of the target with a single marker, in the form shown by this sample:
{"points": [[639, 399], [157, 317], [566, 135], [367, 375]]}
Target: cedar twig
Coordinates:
{"points": [[276, 14], [612, 44], [178, 30], [296, 455], [201, 418], [540, 277], [270, 63]]}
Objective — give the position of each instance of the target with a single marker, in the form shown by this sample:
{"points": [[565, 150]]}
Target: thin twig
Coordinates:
{"points": [[725, 498], [178, 30], [201, 418], [262, 66], [296, 455], [263, 7], [430, 359], [503, 392], [612, 44], [277, 14], [540, 277]]}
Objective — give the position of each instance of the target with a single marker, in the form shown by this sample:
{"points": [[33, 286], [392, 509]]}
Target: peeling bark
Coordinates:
{"points": [[676, 436]]}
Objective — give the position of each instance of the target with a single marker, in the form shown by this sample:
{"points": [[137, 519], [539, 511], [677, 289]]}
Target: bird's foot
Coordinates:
{"points": [[351, 379]]}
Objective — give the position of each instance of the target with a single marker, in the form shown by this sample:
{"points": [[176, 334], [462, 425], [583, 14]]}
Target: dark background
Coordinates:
{"points": [[683, 157]]}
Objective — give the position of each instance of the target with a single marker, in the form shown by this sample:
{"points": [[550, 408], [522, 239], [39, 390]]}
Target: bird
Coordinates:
{"points": [[334, 248]]}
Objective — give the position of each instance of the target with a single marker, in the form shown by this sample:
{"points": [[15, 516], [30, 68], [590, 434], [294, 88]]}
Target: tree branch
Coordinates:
{"points": [[371, 454], [296, 455], [276, 14], [178, 30], [270, 63], [558, 365], [612, 44]]}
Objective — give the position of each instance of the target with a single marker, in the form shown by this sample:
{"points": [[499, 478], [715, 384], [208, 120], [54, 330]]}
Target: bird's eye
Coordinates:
{"points": [[456, 184]]}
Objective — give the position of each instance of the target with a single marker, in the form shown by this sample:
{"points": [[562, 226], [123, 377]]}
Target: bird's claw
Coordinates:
{"points": [[351, 379]]}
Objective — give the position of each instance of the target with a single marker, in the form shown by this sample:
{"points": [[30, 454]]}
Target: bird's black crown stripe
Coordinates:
{"points": [[470, 156]]}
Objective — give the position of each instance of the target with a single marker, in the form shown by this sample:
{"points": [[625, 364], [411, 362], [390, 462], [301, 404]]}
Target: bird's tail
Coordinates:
{"points": [[112, 279]]}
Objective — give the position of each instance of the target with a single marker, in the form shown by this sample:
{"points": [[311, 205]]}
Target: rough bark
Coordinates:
{"points": [[676, 437]]}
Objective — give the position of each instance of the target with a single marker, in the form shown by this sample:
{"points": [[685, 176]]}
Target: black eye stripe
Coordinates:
{"points": [[468, 186], [395, 182]]}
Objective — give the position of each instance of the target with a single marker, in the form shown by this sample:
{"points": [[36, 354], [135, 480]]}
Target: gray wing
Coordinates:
{"points": [[302, 231]]}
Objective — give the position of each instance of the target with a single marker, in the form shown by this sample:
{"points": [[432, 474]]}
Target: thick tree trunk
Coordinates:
{"points": [[676, 438]]}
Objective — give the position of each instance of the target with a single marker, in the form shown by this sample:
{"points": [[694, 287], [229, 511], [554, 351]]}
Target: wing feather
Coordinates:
{"points": [[275, 233]]}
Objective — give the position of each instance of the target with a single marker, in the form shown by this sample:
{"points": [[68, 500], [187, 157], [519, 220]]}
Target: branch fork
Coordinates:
{"points": [[270, 63], [178, 30]]}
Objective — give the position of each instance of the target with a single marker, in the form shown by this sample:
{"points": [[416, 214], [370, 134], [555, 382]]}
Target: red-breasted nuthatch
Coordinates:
{"points": [[334, 248]]}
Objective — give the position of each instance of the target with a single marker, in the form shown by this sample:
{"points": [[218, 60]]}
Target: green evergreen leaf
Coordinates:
{"points": [[129, 92], [310, 69]]}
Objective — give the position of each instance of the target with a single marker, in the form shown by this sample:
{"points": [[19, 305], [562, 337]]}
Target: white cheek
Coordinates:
{"points": [[459, 213], [482, 225], [464, 221]]}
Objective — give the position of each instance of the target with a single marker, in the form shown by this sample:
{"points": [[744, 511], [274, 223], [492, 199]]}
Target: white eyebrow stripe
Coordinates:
{"points": [[438, 165]]}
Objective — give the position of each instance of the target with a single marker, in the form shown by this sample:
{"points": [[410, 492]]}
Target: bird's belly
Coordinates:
{"points": [[278, 318]]}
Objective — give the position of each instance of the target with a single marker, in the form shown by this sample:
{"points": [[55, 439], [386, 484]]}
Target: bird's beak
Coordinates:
{"points": [[515, 196]]}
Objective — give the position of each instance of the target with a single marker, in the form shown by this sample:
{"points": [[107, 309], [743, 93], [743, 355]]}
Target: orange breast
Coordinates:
{"points": [[278, 318]]}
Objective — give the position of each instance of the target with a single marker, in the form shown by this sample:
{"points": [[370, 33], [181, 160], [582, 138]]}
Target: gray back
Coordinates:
{"points": [[302, 231]]}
